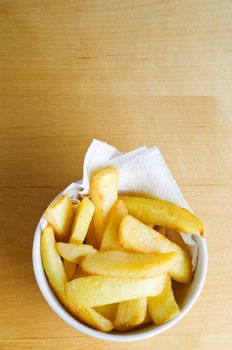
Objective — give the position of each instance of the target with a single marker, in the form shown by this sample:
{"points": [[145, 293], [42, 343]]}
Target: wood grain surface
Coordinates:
{"points": [[131, 73]]}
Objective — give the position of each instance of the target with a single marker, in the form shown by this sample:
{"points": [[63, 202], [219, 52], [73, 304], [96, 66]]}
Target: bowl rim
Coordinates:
{"points": [[139, 334]]}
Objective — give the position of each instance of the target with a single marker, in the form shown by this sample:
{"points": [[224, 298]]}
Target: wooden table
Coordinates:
{"points": [[131, 73]]}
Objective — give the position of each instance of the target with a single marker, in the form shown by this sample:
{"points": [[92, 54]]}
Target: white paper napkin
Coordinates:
{"points": [[142, 170]]}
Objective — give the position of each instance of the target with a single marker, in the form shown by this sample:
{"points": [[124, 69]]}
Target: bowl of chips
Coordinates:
{"points": [[115, 266]]}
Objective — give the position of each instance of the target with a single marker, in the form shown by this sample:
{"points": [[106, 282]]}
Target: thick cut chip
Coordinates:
{"points": [[54, 269], [74, 252], [94, 291], [131, 313], [91, 317], [159, 212], [52, 262], [104, 194], [110, 240], [108, 311], [81, 221], [138, 237], [69, 269], [127, 328], [128, 265], [60, 215], [163, 307]]}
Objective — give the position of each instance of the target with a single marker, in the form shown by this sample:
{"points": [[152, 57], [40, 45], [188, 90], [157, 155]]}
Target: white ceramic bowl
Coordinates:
{"points": [[191, 294]]}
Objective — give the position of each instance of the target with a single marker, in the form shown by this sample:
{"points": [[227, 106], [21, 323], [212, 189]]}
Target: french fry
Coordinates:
{"points": [[54, 269], [131, 313], [81, 221], [163, 307], [108, 311], [52, 262], [92, 291], [128, 265], [59, 215], [104, 194], [159, 212], [83, 213], [91, 317], [110, 240], [73, 252], [140, 238], [127, 328], [69, 269]]}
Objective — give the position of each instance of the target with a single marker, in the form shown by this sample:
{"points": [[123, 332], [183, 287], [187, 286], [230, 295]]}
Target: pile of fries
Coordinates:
{"points": [[111, 258]]}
